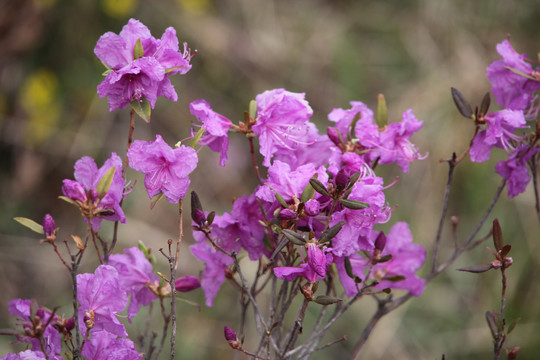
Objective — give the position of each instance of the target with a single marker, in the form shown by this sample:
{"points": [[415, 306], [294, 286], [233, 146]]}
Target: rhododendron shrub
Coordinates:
{"points": [[313, 226]]}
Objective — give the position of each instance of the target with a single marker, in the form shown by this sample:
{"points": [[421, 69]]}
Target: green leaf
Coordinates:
{"points": [[142, 108], [394, 278], [280, 246], [308, 193], [497, 235], [319, 187], [279, 198], [105, 183], [155, 200], [381, 116], [294, 237], [516, 71], [68, 200], [385, 258], [462, 104], [354, 204], [348, 268], [31, 224], [197, 137], [327, 300], [512, 326], [330, 233], [138, 50], [252, 109], [484, 106]]}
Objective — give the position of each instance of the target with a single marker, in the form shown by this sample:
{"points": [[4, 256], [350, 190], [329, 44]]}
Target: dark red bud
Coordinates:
{"points": [[342, 179], [380, 242], [231, 338], [199, 217]]}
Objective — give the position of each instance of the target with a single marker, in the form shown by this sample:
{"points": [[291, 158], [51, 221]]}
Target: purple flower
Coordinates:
{"points": [[515, 171], [282, 121], [25, 311], [104, 346], [394, 144], [355, 234], [406, 259], [216, 264], [187, 283], [84, 189], [134, 75], [49, 228], [217, 126], [166, 169], [512, 91], [30, 355], [135, 274], [101, 296], [499, 132], [312, 270]]}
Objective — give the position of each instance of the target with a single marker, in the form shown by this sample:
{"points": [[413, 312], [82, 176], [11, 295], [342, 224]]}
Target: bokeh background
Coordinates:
{"points": [[335, 51]]}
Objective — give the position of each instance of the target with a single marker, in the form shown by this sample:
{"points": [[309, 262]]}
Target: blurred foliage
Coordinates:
{"points": [[334, 50]]}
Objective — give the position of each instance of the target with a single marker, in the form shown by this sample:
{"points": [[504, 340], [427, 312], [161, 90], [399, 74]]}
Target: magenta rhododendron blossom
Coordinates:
{"points": [[104, 345], [135, 274], [501, 126], [30, 355], [512, 90], [282, 121], [515, 170], [166, 169], [84, 188], [101, 297], [51, 338], [136, 74], [406, 259], [216, 264], [187, 283], [313, 269], [394, 145], [217, 126]]}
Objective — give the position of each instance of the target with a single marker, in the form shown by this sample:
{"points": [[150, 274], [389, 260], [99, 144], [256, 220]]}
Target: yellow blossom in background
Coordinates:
{"points": [[118, 8], [195, 6], [39, 101]]}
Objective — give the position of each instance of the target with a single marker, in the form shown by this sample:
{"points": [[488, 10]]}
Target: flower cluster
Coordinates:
{"points": [[140, 65]]}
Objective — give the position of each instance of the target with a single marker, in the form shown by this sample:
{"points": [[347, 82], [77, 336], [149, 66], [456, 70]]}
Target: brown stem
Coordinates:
{"points": [[173, 267], [254, 159]]}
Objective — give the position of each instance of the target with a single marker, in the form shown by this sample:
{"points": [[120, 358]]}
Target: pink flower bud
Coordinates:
{"points": [[199, 217], [231, 338], [312, 207], [333, 135], [380, 242], [287, 214], [316, 259], [74, 190], [187, 283]]}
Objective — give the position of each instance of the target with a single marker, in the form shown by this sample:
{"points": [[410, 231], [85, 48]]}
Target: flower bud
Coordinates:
{"points": [[74, 190], [199, 217], [231, 338], [316, 259], [342, 179], [187, 283], [49, 228], [333, 135], [287, 214], [380, 242], [312, 207]]}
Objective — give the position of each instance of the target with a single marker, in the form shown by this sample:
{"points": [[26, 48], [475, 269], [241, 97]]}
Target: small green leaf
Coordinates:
{"points": [[348, 268], [476, 269], [294, 237], [385, 258], [279, 198], [381, 116], [105, 183], [512, 326], [31, 224], [354, 204], [330, 233], [319, 187], [280, 246], [327, 300], [252, 109], [497, 235], [210, 217], [394, 278], [308, 193], [155, 200], [516, 71], [197, 137], [484, 106], [142, 108], [68, 200], [462, 104], [138, 50]]}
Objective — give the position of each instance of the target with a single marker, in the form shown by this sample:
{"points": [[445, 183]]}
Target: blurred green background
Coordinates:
{"points": [[335, 51]]}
